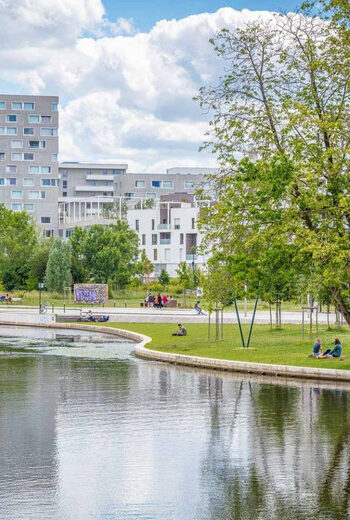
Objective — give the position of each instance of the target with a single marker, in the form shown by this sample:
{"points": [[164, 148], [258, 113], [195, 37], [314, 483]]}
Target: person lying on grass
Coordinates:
{"points": [[181, 331], [336, 352]]}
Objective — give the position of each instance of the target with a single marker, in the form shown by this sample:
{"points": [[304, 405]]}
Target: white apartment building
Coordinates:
{"points": [[169, 234]]}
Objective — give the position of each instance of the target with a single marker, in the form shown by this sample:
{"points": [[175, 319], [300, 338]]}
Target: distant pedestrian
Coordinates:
{"points": [[198, 309], [165, 300]]}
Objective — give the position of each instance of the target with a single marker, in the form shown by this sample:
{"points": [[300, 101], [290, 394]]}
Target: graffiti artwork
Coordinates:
{"points": [[91, 293]]}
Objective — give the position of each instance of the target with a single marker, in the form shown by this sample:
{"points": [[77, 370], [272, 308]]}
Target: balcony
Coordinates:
{"points": [[94, 188], [99, 177], [191, 258], [164, 241], [165, 227]]}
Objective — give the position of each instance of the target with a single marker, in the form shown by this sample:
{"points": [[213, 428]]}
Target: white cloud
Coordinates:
{"points": [[126, 95]]}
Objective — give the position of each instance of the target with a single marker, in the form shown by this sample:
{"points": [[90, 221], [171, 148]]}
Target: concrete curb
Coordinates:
{"points": [[242, 366]]}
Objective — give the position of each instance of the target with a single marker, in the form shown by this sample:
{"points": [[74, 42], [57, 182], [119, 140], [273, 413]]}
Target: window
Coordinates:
{"points": [[29, 106], [2, 181], [153, 224], [104, 172], [176, 223], [54, 107], [154, 240], [16, 207], [140, 184], [181, 255], [189, 185], [137, 225], [45, 169], [46, 119], [11, 181], [162, 184], [16, 156], [28, 131], [34, 169], [37, 144], [151, 195], [167, 184], [156, 184], [33, 119], [16, 143], [48, 182], [28, 156], [16, 194], [48, 131], [17, 105], [11, 168], [130, 195], [143, 240], [155, 254], [167, 255], [45, 220], [50, 233], [39, 169], [54, 157], [5, 130], [28, 182], [2, 156], [64, 194], [193, 223], [28, 207], [37, 194], [64, 184], [11, 118], [2, 105], [181, 239]]}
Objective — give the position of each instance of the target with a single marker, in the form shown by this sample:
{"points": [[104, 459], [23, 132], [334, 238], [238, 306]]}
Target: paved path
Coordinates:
{"points": [[140, 315]]}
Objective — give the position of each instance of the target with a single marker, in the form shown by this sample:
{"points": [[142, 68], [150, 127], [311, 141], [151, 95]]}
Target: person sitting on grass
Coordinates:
{"points": [[181, 331], [317, 348], [336, 352]]}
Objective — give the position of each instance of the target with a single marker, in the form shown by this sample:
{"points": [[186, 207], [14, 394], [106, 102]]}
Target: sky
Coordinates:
{"points": [[126, 72]]}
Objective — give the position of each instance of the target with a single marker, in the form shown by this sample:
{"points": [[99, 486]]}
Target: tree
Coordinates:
{"points": [[286, 97], [18, 240], [164, 278], [106, 253], [58, 270], [145, 265]]}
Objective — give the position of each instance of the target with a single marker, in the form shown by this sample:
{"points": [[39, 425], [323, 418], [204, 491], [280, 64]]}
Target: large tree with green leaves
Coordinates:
{"points": [[106, 254], [58, 275], [18, 240], [285, 96]]}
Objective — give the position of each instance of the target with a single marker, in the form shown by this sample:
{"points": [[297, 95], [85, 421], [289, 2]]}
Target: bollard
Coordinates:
{"points": [[125, 304], [114, 304], [53, 308], [64, 307]]}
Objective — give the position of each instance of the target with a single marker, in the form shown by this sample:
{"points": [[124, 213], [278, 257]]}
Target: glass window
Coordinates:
{"points": [[45, 169], [34, 194], [28, 156], [28, 207], [167, 184], [11, 118], [11, 131], [151, 195], [177, 223], [2, 105], [154, 239], [2, 181], [34, 169], [46, 119], [156, 184], [28, 131], [28, 182], [54, 107], [34, 119], [181, 238], [155, 254], [17, 194], [45, 220], [11, 181], [45, 182], [143, 240], [2, 156], [193, 223], [16, 156], [54, 157], [189, 185], [33, 144], [137, 225], [17, 105], [140, 184], [16, 143], [29, 106], [48, 131], [64, 186], [11, 168], [16, 207]]}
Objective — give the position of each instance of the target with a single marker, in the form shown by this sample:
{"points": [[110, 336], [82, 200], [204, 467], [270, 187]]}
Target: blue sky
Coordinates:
{"points": [[147, 12]]}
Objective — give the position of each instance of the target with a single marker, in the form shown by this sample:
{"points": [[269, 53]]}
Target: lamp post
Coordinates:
{"points": [[40, 287]]}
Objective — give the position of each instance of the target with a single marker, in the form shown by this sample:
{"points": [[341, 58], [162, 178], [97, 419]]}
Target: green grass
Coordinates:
{"points": [[276, 347]]}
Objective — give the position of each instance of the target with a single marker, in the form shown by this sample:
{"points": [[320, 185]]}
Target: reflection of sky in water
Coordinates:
{"points": [[126, 439]]}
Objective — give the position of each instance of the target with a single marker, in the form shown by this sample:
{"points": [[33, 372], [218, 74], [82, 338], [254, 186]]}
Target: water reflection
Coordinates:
{"points": [[122, 438]]}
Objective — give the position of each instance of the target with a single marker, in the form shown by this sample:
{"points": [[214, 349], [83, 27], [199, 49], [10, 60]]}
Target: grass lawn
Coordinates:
{"points": [[277, 347]]}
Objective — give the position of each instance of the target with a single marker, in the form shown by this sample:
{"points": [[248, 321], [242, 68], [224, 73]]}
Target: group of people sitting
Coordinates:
{"points": [[157, 301], [5, 298], [329, 353]]}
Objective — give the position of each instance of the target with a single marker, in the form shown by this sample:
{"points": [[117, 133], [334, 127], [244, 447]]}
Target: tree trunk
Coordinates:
{"points": [[341, 306]]}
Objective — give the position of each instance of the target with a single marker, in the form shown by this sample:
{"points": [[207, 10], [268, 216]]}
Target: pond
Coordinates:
{"points": [[88, 432]]}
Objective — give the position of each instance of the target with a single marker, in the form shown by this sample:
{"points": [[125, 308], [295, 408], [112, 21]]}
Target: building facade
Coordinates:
{"points": [[28, 157]]}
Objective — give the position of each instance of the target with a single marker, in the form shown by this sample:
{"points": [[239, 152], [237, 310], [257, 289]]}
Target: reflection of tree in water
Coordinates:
{"points": [[273, 450]]}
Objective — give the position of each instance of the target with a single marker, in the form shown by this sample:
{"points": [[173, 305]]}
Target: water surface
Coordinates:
{"points": [[88, 432]]}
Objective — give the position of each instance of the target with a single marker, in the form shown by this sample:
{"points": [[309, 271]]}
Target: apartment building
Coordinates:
{"points": [[28, 157], [89, 179], [168, 233]]}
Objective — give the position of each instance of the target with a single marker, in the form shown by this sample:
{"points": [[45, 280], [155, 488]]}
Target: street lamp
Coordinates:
{"points": [[40, 287]]}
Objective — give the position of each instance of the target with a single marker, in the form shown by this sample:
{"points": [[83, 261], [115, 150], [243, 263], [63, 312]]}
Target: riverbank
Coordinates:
{"points": [[277, 347]]}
